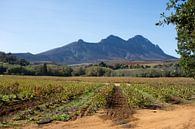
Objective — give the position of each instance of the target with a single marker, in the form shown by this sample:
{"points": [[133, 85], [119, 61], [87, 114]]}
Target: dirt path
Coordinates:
{"points": [[118, 107], [88, 122], [182, 117]]}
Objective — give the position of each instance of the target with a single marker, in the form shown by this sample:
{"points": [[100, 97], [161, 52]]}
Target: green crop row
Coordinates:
{"points": [[12, 91], [142, 95], [57, 100]]}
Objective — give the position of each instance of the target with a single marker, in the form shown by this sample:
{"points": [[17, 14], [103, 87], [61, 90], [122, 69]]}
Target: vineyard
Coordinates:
{"points": [[42, 100]]}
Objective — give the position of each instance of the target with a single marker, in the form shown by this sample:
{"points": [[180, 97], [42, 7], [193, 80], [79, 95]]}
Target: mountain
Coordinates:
{"points": [[111, 48]]}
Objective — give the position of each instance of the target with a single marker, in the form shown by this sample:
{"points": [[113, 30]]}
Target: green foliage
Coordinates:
{"points": [[78, 71], [11, 59], [63, 99], [23, 62], [94, 71], [102, 64], [145, 95], [183, 16], [172, 69], [98, 71], [19, 70], [58, 100], [67, 71], [29, 89], [120, 66], [2, 69], [62, 117], [44, 69]]}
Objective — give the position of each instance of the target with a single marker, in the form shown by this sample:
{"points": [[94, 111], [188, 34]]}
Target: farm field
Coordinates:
{"points": [[27, 101]]}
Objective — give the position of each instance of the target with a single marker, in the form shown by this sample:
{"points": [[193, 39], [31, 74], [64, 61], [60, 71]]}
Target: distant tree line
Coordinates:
{"points": [[101, 69], [11, 65], [122, 66], [11, 59]]}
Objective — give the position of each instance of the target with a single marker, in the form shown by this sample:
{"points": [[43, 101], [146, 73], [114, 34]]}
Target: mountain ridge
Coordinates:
{"points": [[110, 48]]}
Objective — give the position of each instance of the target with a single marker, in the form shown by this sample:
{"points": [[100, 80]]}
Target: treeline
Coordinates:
{"points": [[11, 65], [11, 59], [122, 66], [101, 69], [54, 70]]}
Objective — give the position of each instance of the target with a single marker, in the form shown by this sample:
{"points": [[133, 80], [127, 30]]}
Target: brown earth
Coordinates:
{"points": [[181, 117], [118, 109], [16, 106], [88, 122]]}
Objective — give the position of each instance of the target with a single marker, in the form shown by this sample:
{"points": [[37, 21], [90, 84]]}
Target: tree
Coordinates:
{"points": [[67, 71], [2, 69], [102, 64], [19, 70], [23, 62], [44, 69], [12, 59], [183, 17], [78, 71], [95, 71]]}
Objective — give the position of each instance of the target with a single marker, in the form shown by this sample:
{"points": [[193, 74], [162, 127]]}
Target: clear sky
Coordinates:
{"points": [[38, 25]]}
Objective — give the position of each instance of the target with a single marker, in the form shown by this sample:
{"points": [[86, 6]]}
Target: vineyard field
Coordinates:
{"points": [[41, 100]]}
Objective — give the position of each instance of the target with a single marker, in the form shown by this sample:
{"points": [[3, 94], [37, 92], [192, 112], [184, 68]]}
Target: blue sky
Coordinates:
{"points": [[38, 25]]}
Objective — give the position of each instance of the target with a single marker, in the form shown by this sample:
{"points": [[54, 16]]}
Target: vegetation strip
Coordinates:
{"points": [[62, 99]]}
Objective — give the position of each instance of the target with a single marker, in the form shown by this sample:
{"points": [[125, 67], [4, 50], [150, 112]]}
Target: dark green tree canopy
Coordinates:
{"points": [[183, 17]]}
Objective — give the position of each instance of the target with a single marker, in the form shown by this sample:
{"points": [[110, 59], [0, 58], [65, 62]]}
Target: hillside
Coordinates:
{"points": [[111, 48]]}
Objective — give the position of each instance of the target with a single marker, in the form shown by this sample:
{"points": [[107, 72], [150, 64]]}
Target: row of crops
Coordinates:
{"points": [[158, 96], [45, 99]]}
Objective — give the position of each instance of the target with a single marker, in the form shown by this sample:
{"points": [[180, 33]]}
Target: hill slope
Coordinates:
{"points": [[111, 48]]}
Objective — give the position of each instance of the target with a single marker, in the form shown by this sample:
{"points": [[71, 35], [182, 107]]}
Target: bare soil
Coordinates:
{"points": [[118, 108], [181, 117], [16, 106]]}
